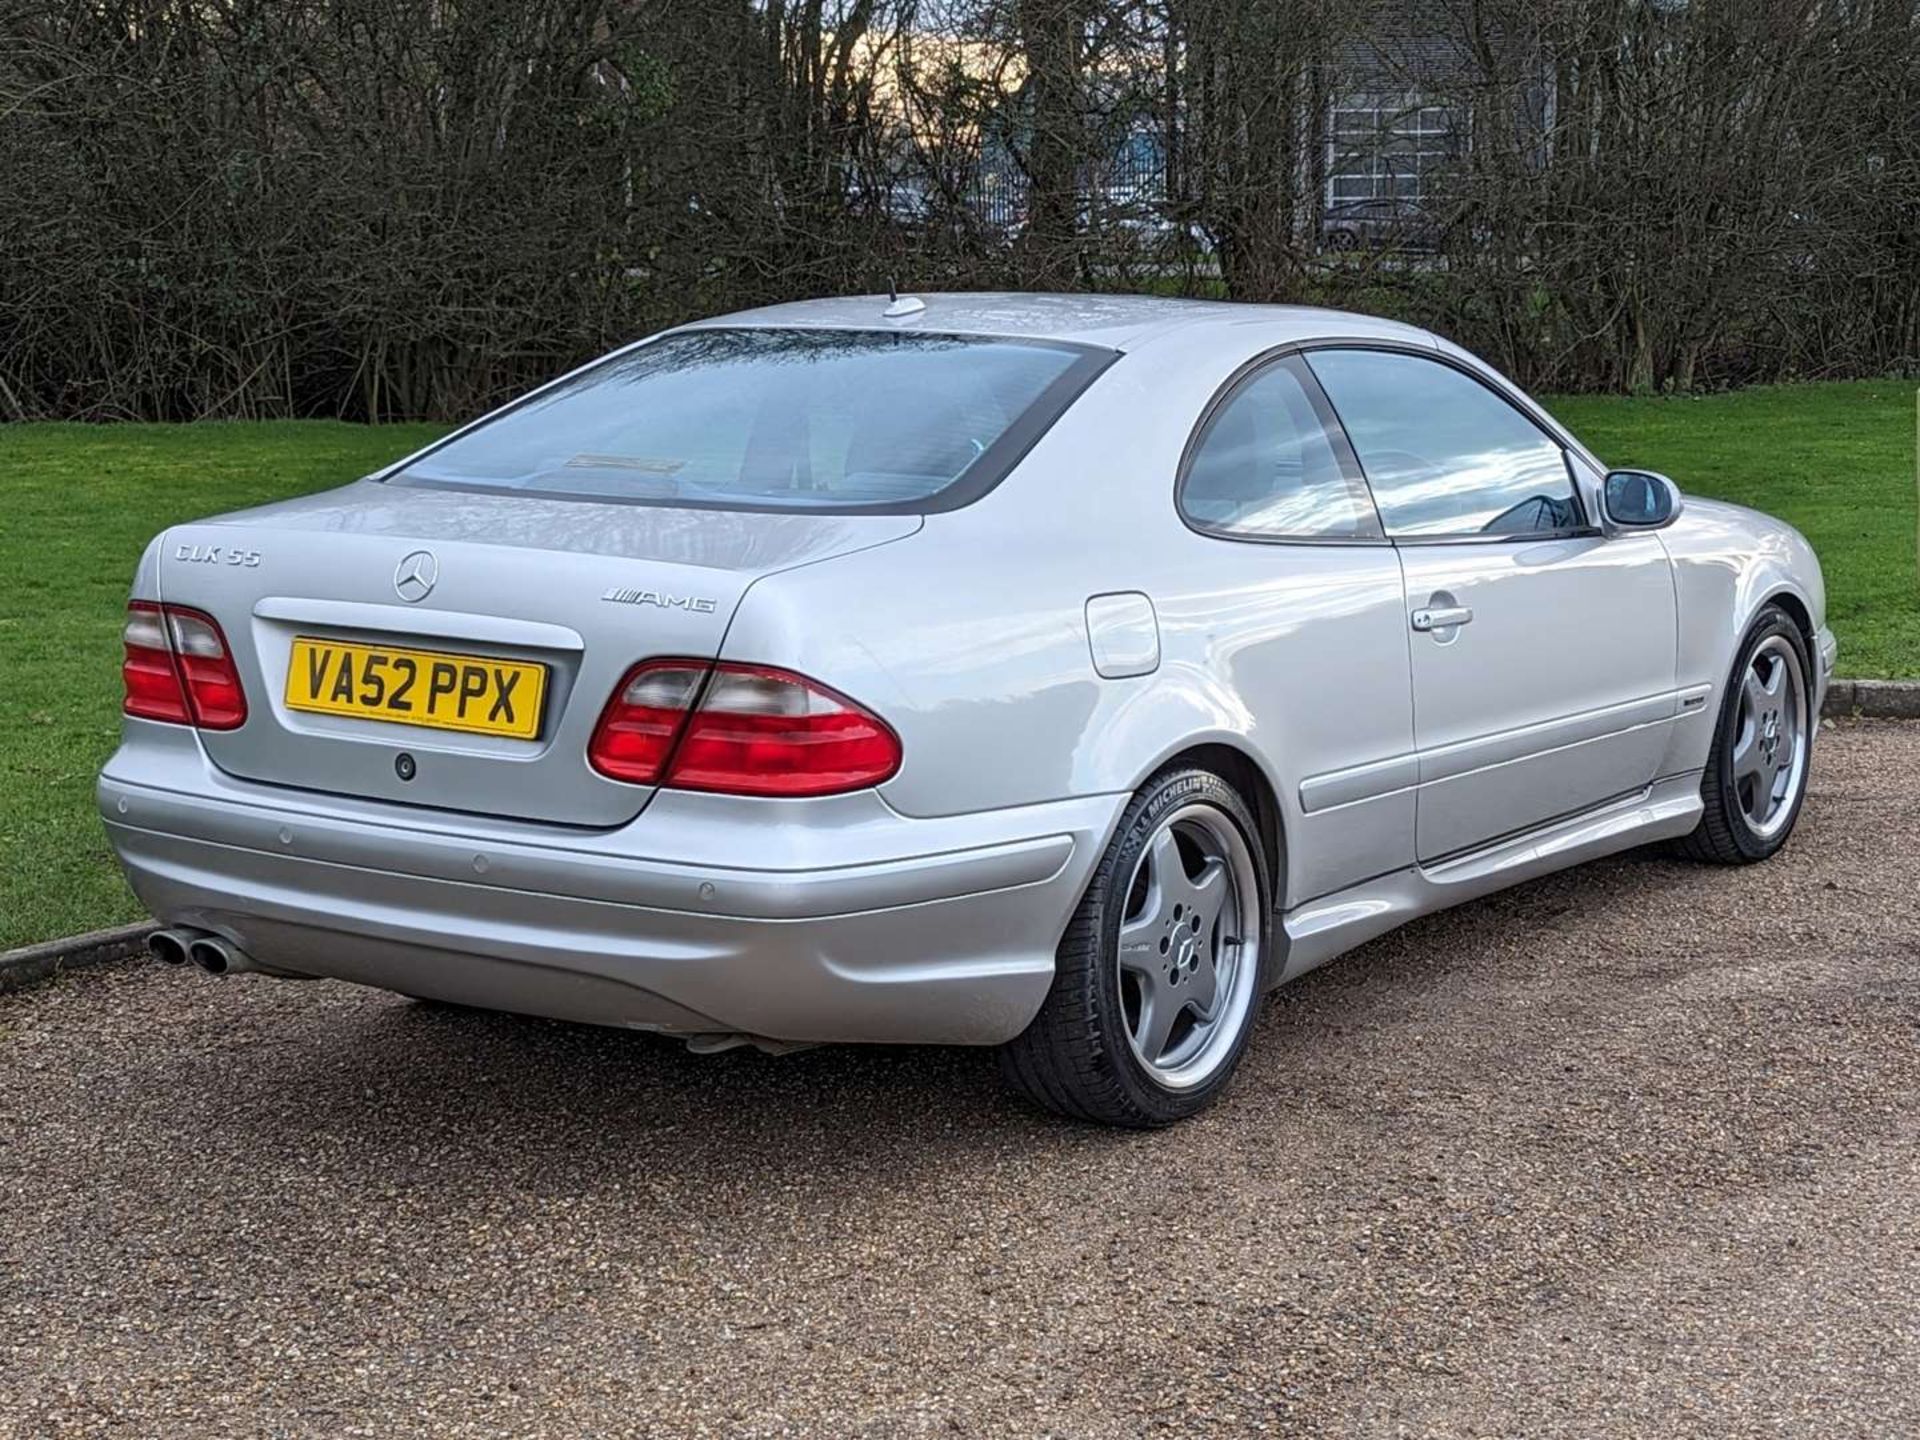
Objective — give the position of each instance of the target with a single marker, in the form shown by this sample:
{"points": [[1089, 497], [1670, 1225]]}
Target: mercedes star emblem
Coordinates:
{"points": [[413, 581]]}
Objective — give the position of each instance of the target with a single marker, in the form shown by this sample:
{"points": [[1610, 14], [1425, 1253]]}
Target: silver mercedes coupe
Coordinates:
{"points": [[1055, 673]]}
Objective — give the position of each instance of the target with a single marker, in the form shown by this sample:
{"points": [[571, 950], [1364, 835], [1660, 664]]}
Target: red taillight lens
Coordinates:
{"points": [[760, 731], [753, 730], [153, 686], [178, 668], [213, 684], [637, 729]]}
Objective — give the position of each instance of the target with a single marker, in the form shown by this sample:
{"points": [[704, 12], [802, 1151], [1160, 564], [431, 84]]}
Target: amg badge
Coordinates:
{"points": [[666, 600]]}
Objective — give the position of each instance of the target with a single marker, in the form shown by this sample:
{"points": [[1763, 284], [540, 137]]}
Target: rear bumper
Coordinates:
{"points": [[799, 921]]}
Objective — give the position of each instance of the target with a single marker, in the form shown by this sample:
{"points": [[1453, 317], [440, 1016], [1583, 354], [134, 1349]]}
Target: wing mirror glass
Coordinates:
{"points": [[1641, 499]]}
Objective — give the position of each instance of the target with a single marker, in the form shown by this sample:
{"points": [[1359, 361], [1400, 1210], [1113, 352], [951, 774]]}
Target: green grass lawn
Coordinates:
{"points": [[81, 501], [1835, 460]]}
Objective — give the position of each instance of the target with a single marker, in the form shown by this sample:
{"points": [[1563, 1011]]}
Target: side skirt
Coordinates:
{"points": [[1322, 929]]}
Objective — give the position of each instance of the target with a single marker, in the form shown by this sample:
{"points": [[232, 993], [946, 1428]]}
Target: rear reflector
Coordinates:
{"points": [[754, 730], [178, 668]]}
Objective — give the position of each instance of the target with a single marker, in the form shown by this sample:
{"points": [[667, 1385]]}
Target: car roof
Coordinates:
{"points": [[1119, 322]]}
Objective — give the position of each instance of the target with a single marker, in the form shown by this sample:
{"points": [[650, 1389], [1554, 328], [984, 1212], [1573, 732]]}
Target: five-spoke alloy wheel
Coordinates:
{"points": [[1769, 756], [1158, 977], [1186, 956], [1756, 775]]}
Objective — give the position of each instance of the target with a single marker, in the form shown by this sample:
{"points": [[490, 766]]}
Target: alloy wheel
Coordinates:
{"points": [[1189, 948], [1769, 743]]}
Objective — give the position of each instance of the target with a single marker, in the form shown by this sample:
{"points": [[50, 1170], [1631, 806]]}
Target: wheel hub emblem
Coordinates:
{"points": [[1183, 956]]}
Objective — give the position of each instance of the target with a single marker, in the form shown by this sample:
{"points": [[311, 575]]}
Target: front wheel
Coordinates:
{"points": [[1157, 979], [1756, 776]]}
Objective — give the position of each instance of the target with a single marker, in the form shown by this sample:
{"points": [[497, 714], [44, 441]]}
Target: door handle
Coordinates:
{"points": [[1441, 617]]}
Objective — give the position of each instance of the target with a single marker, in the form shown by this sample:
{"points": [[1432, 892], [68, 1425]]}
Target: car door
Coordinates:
{"points": [[1543, 651], [1296, 595]]}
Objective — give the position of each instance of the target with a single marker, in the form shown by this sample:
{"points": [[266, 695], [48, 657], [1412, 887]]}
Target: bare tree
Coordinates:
{"points": [[379, 208]]}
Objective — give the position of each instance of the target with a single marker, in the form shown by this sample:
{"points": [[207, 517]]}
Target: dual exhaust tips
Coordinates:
{"points": [[181, 946]]}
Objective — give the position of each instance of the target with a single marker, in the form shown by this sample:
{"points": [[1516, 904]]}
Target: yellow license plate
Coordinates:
{"points": [[417, 687]]}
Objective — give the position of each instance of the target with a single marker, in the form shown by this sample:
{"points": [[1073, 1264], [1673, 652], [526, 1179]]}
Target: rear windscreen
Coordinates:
{"points": [[833, 420]]}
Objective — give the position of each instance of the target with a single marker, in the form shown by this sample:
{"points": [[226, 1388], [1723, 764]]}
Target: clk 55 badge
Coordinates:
{"points": [[216, 555]]}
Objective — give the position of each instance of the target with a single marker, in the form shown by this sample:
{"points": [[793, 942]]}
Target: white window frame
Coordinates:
{"points": [[1405, 137]]}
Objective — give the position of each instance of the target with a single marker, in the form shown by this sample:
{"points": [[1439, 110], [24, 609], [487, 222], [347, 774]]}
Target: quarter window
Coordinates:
{"points": [[1272, 465], [1444, 454]]}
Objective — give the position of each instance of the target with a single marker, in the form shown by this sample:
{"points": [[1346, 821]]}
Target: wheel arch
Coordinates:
{"points": [[1237, 766], [1798, 610], [1730, 564]]}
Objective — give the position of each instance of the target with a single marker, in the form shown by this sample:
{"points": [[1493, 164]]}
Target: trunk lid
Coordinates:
{"points": [[580, 588]]}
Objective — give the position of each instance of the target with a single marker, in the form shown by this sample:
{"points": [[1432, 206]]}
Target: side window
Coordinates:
{"points": [[1273, 465], [1443, 454]]}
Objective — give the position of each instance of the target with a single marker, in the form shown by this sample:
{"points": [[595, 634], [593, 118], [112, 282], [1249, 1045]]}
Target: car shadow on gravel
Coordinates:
{"points": [[394, 1090], [398, 1080], [499, 1100]]}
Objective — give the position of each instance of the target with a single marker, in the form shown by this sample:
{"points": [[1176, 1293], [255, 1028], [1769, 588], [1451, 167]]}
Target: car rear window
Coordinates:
{"points": [[767, 419]]}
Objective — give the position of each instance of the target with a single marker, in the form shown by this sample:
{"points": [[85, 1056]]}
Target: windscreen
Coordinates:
{"points": [[833, 420]]}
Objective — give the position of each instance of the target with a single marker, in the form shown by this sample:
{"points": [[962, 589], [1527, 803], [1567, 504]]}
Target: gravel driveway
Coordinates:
{"points": [[1634, 1150]]}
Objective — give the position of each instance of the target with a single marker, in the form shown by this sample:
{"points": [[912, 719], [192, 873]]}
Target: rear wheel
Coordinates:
{"points": [[1756, 775], [1157, 978]]}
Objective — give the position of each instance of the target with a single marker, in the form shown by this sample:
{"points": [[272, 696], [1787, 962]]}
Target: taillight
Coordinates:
{"points": [[178, 668], [637, 729], [153, 686], [752, 730], [760, 731]]}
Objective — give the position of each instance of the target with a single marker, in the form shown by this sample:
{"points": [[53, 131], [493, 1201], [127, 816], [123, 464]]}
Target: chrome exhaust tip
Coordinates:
{"points": [[217, 957], [169, 947]]}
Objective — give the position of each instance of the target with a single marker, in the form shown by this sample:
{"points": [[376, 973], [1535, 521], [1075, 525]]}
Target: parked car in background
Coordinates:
{"points": [[1045, 672], [1398, 224]]}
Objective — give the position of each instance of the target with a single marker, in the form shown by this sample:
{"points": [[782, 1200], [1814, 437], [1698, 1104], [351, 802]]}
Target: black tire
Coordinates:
{"points": [[1075, 1058], [1725, 835]]}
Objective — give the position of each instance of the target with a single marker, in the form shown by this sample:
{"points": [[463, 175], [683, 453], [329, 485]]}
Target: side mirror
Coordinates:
{"points": [[1640, 499]]}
